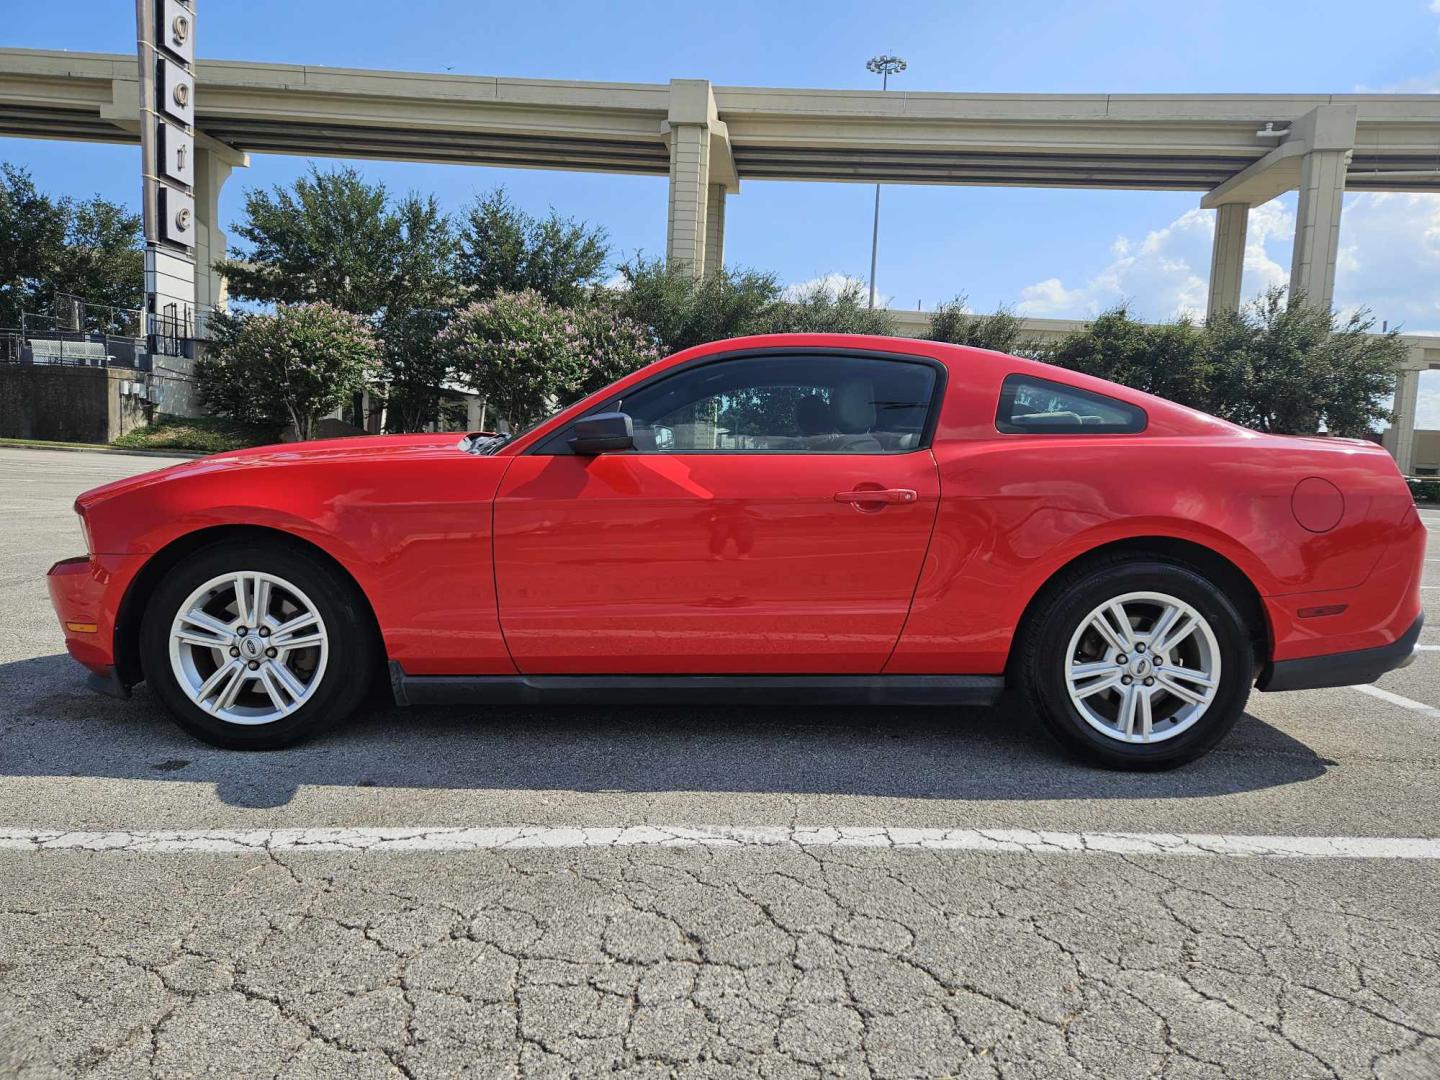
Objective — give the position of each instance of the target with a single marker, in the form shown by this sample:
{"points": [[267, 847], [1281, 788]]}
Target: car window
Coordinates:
{"points": [[1031, 406], [802, 403]]}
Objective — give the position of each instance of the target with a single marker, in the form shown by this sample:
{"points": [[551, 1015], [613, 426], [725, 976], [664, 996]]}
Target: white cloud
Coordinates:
{"points": [[1161, 275], [1427, 408], [1390, 258], [1389, 262]]}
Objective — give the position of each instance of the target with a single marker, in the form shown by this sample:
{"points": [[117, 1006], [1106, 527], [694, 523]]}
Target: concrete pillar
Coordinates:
{"points": [[715, 230], [1400, 439], [687, 129], [689, 196], [1328, 134], [211, 172], [1227, 257], [1317, 227]]}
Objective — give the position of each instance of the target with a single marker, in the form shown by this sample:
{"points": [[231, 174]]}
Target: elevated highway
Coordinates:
{"points": [[1235, 150]]}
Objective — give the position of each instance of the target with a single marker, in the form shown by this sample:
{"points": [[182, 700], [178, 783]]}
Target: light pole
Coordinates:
{"points": [[884, 66]]}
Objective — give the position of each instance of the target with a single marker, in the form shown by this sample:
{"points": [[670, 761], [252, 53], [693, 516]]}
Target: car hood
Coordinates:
{"points": [[286, 455]]}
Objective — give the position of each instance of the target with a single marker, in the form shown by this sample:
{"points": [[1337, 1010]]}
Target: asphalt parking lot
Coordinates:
{"points": [[698, 892]]}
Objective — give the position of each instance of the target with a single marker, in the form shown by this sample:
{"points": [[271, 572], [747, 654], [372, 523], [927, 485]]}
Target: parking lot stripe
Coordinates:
{"points": [[1396, 699], [510, 838]]}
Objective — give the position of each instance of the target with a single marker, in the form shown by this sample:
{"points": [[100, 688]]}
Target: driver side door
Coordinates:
{"points": [[772, 517]]}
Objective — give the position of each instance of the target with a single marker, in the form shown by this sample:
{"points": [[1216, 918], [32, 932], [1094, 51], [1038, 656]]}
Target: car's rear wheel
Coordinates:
{"points": [[1136, 664], [256, 646]]}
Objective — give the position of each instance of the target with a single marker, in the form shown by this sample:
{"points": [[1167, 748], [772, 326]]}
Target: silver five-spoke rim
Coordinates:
{"points": [[248, 647], [1143, 667]]}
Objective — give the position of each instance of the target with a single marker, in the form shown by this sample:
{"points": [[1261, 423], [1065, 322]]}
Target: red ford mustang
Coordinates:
{"points": [[797, 518]]}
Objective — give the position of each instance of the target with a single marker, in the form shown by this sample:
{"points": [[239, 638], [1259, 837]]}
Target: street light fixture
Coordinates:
{"points": [[884, 66]]}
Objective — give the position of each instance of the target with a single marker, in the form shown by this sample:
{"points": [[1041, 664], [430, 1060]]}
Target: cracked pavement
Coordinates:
{"points": [[794, 953]]}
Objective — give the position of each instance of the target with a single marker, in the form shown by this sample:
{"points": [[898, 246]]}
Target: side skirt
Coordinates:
{"points": [[665, 689]]}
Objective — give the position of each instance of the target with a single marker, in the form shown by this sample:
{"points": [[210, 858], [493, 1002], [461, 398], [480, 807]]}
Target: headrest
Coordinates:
{"points": [[853, 406]]}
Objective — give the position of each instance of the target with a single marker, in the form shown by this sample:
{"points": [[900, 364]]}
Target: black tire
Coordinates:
{"points": [[1041, 659], [347, 675]]}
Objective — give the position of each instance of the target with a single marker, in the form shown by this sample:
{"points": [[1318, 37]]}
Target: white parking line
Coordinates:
{"points": [[509, 838], [1396, 699]]}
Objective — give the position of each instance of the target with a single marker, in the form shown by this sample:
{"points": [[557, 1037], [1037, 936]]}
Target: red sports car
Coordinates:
{"points": [[798, 518]]}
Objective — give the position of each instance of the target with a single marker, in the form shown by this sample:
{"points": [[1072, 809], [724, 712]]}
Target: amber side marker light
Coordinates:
{"points": [[83, 627], [1316, 612]]}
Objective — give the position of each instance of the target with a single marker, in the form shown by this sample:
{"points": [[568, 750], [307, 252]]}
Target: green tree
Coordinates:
{"points": [[333, 237], [32, 229], [1171, 360], [413, 367], [522, 354], [102, 263], [820, 309], [299, 364], [1291, 368], [955, 323], [89, 249], [504, 249], [682, 310]]}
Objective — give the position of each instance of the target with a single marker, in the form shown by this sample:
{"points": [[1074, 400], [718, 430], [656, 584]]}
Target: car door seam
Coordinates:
{"points": [[495, 559], [920, 574]]}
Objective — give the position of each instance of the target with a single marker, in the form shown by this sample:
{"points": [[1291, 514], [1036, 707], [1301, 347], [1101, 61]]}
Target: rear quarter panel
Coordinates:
{"points": [[1016, 509]]}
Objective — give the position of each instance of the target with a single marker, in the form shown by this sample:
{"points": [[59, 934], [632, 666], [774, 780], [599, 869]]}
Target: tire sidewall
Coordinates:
{"points": [[349, 661], [1048, 657]]}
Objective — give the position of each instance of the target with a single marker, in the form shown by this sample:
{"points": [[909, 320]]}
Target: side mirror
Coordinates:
{"points": [[603, 433]]}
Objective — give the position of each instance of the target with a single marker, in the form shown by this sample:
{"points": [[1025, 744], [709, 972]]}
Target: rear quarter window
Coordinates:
{"points": [[1032, 406]]}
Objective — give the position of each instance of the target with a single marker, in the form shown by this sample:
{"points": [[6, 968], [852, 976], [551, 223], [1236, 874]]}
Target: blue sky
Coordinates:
{"points": [[1061, 253]]}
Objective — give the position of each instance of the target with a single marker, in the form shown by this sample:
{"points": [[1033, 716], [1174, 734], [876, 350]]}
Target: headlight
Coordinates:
{"points": [[84, 531]]}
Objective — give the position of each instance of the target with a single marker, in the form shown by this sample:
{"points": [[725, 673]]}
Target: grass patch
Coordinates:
{"points": [[46, 443], [202, 434]]}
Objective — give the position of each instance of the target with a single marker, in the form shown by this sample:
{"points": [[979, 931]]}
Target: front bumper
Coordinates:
{"points": [[86, 593], [1352, 668]]}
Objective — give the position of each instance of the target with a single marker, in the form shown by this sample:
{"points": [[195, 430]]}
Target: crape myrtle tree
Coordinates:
{"points": [[518, 351], [611, 345], [89, 248], [298, 363], [528, 356]]}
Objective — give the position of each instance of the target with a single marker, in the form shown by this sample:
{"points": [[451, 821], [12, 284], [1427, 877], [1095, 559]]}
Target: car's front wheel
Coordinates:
{"points": [[1137, 664], [255, 646]]}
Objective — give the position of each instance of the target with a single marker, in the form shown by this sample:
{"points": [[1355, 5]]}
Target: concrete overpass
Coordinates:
{"points": [[1235, 150]]}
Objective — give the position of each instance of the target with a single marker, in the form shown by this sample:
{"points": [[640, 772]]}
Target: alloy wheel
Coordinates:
{"points": [[248, 647], [1143, 667]]}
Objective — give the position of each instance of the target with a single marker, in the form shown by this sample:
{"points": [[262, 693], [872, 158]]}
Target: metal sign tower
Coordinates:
{"points": [[166, 41]]}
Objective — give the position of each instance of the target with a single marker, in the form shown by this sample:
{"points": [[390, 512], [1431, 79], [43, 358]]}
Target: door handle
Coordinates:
{"points": [[877, 495]]}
